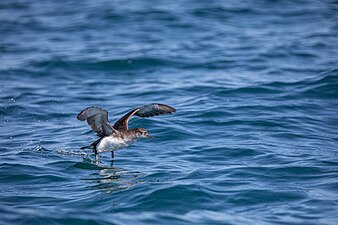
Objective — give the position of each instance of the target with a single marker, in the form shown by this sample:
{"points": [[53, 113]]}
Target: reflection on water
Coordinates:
{"points": [[104, 176], [108, 179], [254, 136], [114, 180]]}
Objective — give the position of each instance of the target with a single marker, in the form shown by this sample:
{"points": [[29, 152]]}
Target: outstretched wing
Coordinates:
{"points": [[153, 109], [97, 119]]}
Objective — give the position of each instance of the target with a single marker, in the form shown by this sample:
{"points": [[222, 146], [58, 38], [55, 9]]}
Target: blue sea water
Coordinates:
{"points": [[254, 139]]}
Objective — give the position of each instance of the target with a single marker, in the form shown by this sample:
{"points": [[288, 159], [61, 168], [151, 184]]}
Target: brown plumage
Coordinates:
{"points": [[119, 135]]}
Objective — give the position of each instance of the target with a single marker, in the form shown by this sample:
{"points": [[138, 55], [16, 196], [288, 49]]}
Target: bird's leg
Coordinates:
{"points": [[112, 154], [96, 155]]}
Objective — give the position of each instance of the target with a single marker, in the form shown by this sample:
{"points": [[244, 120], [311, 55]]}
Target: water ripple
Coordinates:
{"points": [[254, 138]]}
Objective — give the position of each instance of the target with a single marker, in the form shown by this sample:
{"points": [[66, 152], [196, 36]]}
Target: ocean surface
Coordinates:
{"points": [[254, 139]]}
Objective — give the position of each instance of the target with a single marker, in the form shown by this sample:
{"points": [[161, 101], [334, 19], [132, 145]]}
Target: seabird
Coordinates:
{"points": [[119, 135]]}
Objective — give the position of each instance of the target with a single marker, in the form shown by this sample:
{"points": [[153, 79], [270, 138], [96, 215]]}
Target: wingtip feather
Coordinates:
{"points": [[155, 109]]}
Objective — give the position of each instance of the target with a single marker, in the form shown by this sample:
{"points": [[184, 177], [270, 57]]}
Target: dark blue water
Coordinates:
{"points": [[254, 139]]}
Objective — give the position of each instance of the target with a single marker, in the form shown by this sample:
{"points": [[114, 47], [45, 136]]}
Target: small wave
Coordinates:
{"points": [[136, 63], [40, 148], [317, 87]]}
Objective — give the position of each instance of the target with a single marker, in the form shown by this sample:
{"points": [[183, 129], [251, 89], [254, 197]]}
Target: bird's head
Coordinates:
{"points": [[142, 133]]}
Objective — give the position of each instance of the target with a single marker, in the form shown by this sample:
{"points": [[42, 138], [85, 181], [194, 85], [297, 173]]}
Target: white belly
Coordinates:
{"points": [[110, 143]]}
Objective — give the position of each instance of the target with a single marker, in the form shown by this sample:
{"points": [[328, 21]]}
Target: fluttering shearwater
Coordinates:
{"points": [[119, 135]]}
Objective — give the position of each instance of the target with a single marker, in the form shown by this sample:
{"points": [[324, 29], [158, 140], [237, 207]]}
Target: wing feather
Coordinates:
{"points": [[153, 109], [97, 119]]}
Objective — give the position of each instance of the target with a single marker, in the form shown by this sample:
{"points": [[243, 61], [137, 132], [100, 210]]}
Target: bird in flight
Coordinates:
{"points": [[119, 135]]}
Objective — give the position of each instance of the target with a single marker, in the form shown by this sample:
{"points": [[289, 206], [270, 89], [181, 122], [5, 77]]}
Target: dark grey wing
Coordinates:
{"points": [[143, 111], [154, 109], [97, 119]]}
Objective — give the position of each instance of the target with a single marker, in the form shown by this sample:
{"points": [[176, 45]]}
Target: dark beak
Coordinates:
{"points": [[151, 137]]}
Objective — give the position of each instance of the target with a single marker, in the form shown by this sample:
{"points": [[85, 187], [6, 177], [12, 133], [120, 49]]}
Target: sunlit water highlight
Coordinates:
{"points": [[254, 139]]}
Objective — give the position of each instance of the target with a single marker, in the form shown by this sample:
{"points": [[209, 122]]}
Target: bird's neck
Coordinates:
{"points": [[129, 134]]}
